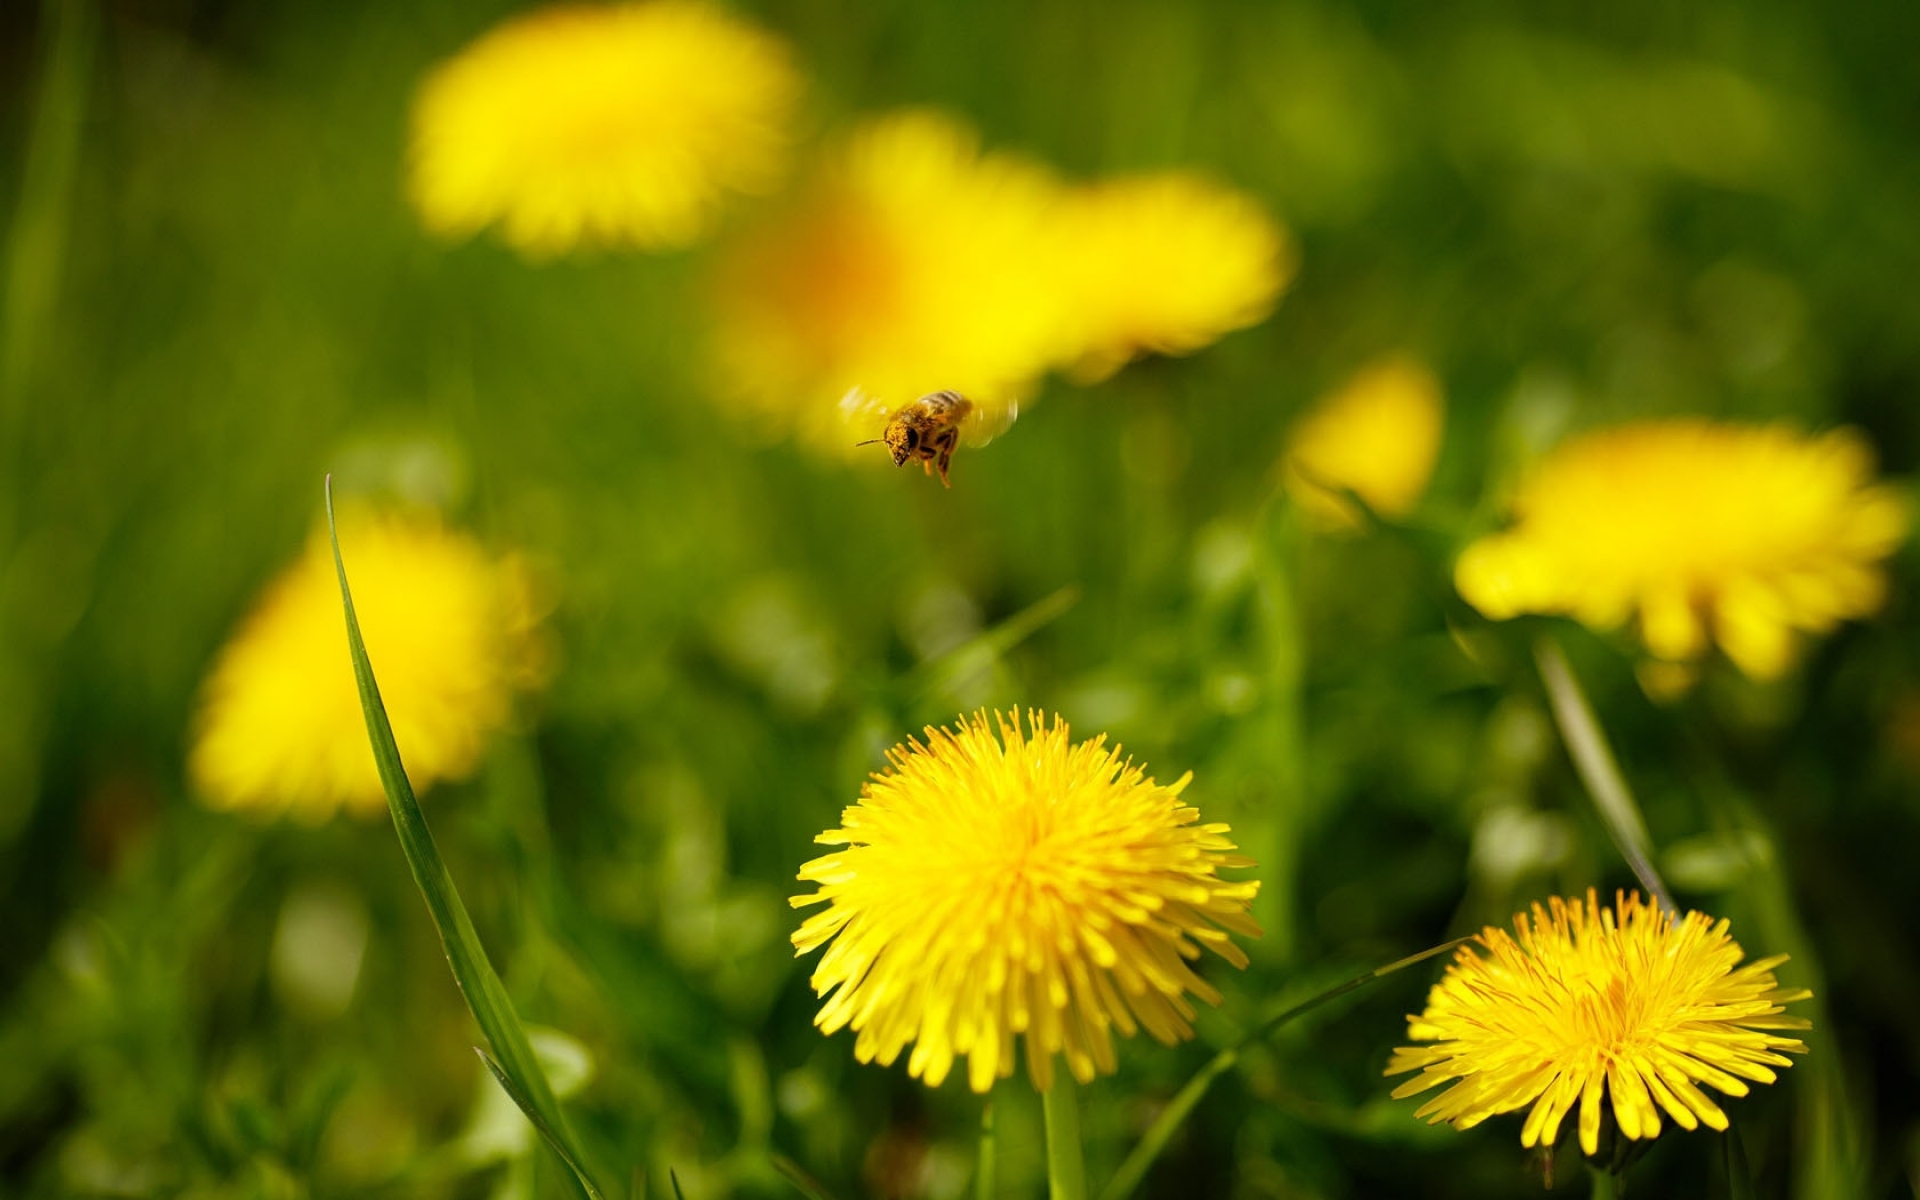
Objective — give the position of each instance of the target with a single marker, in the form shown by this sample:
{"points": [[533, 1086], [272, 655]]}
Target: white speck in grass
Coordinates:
{"points": [[939, 617], [318, 946], [1510, 841], [1222, 556], [1231, 692], [81, 956], [496, 1129], [800, 1093]]}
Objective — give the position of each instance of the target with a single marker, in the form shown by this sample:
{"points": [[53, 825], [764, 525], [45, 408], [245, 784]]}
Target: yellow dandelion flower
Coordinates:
{"points": [[1018, 885], [1696, 530], [1377, 436], [619, 125], [1165, 264], [453, 631], [915, 263], [1625, 1002]]}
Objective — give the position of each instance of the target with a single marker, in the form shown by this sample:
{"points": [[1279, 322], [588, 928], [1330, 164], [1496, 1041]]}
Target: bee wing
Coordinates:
{"points": [[861, 409], [988, 419]]}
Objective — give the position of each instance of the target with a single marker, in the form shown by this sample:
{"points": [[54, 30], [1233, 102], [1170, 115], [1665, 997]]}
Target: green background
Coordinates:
{"points": [[215, 294]]}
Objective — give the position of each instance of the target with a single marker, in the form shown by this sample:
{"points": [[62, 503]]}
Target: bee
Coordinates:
{"points": [[930, 429]]}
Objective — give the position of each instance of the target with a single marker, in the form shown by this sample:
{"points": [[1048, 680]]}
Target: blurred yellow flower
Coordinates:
{"points": [[1017, 885], [1624, 1002], [915, 263], [1377, 436], [619, 124], [1742, 534], [1164, 264], [453, 633]]}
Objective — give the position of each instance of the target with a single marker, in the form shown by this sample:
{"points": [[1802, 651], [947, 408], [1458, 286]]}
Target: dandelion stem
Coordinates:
{"points": [[1587, 745], [1606, 1185], [1066, 1162], [1734, 1156], [984, 1166]]}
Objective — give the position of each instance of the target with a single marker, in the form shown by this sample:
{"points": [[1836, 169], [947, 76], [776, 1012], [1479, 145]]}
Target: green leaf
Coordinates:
{"points": [[513, 1060]]}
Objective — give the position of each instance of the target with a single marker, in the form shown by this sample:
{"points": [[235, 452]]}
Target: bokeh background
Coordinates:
{"points": [[216, 294]]}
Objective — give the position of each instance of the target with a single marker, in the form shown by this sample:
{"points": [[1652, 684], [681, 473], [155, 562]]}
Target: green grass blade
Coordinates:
{"points": [[796, 1175], [525, 1103], [1587, 745], [948, 673], [1134, 1169], [486, 996], [43, 210]]}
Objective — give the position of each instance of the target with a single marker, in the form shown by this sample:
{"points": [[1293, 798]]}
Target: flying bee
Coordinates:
{"points": [[931, 428]]}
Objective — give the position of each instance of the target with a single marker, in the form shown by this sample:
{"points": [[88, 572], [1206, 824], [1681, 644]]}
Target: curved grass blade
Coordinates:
{"points": [[525, 1104], [796, 1175], [1587, 745], [975, 656], [1134, 1169], [486, 996]]}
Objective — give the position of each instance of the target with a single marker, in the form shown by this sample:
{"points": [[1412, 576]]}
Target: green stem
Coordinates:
{"points": [[37, 239], [1734, 1155], [1066, 1163], [1606, 1185], [1593, 759], [1275, 840], [985, 1168]]}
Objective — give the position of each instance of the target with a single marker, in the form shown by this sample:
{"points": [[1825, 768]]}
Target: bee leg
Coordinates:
{"points": [[947, 443]]}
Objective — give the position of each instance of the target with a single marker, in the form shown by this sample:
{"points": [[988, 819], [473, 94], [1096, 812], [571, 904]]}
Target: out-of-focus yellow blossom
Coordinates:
{"points": [[1017, 885], [1164, 264], [1377, 436], [914, 263], [453, 631], [1700, 532], [1624, 1008], [618, 125]]}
